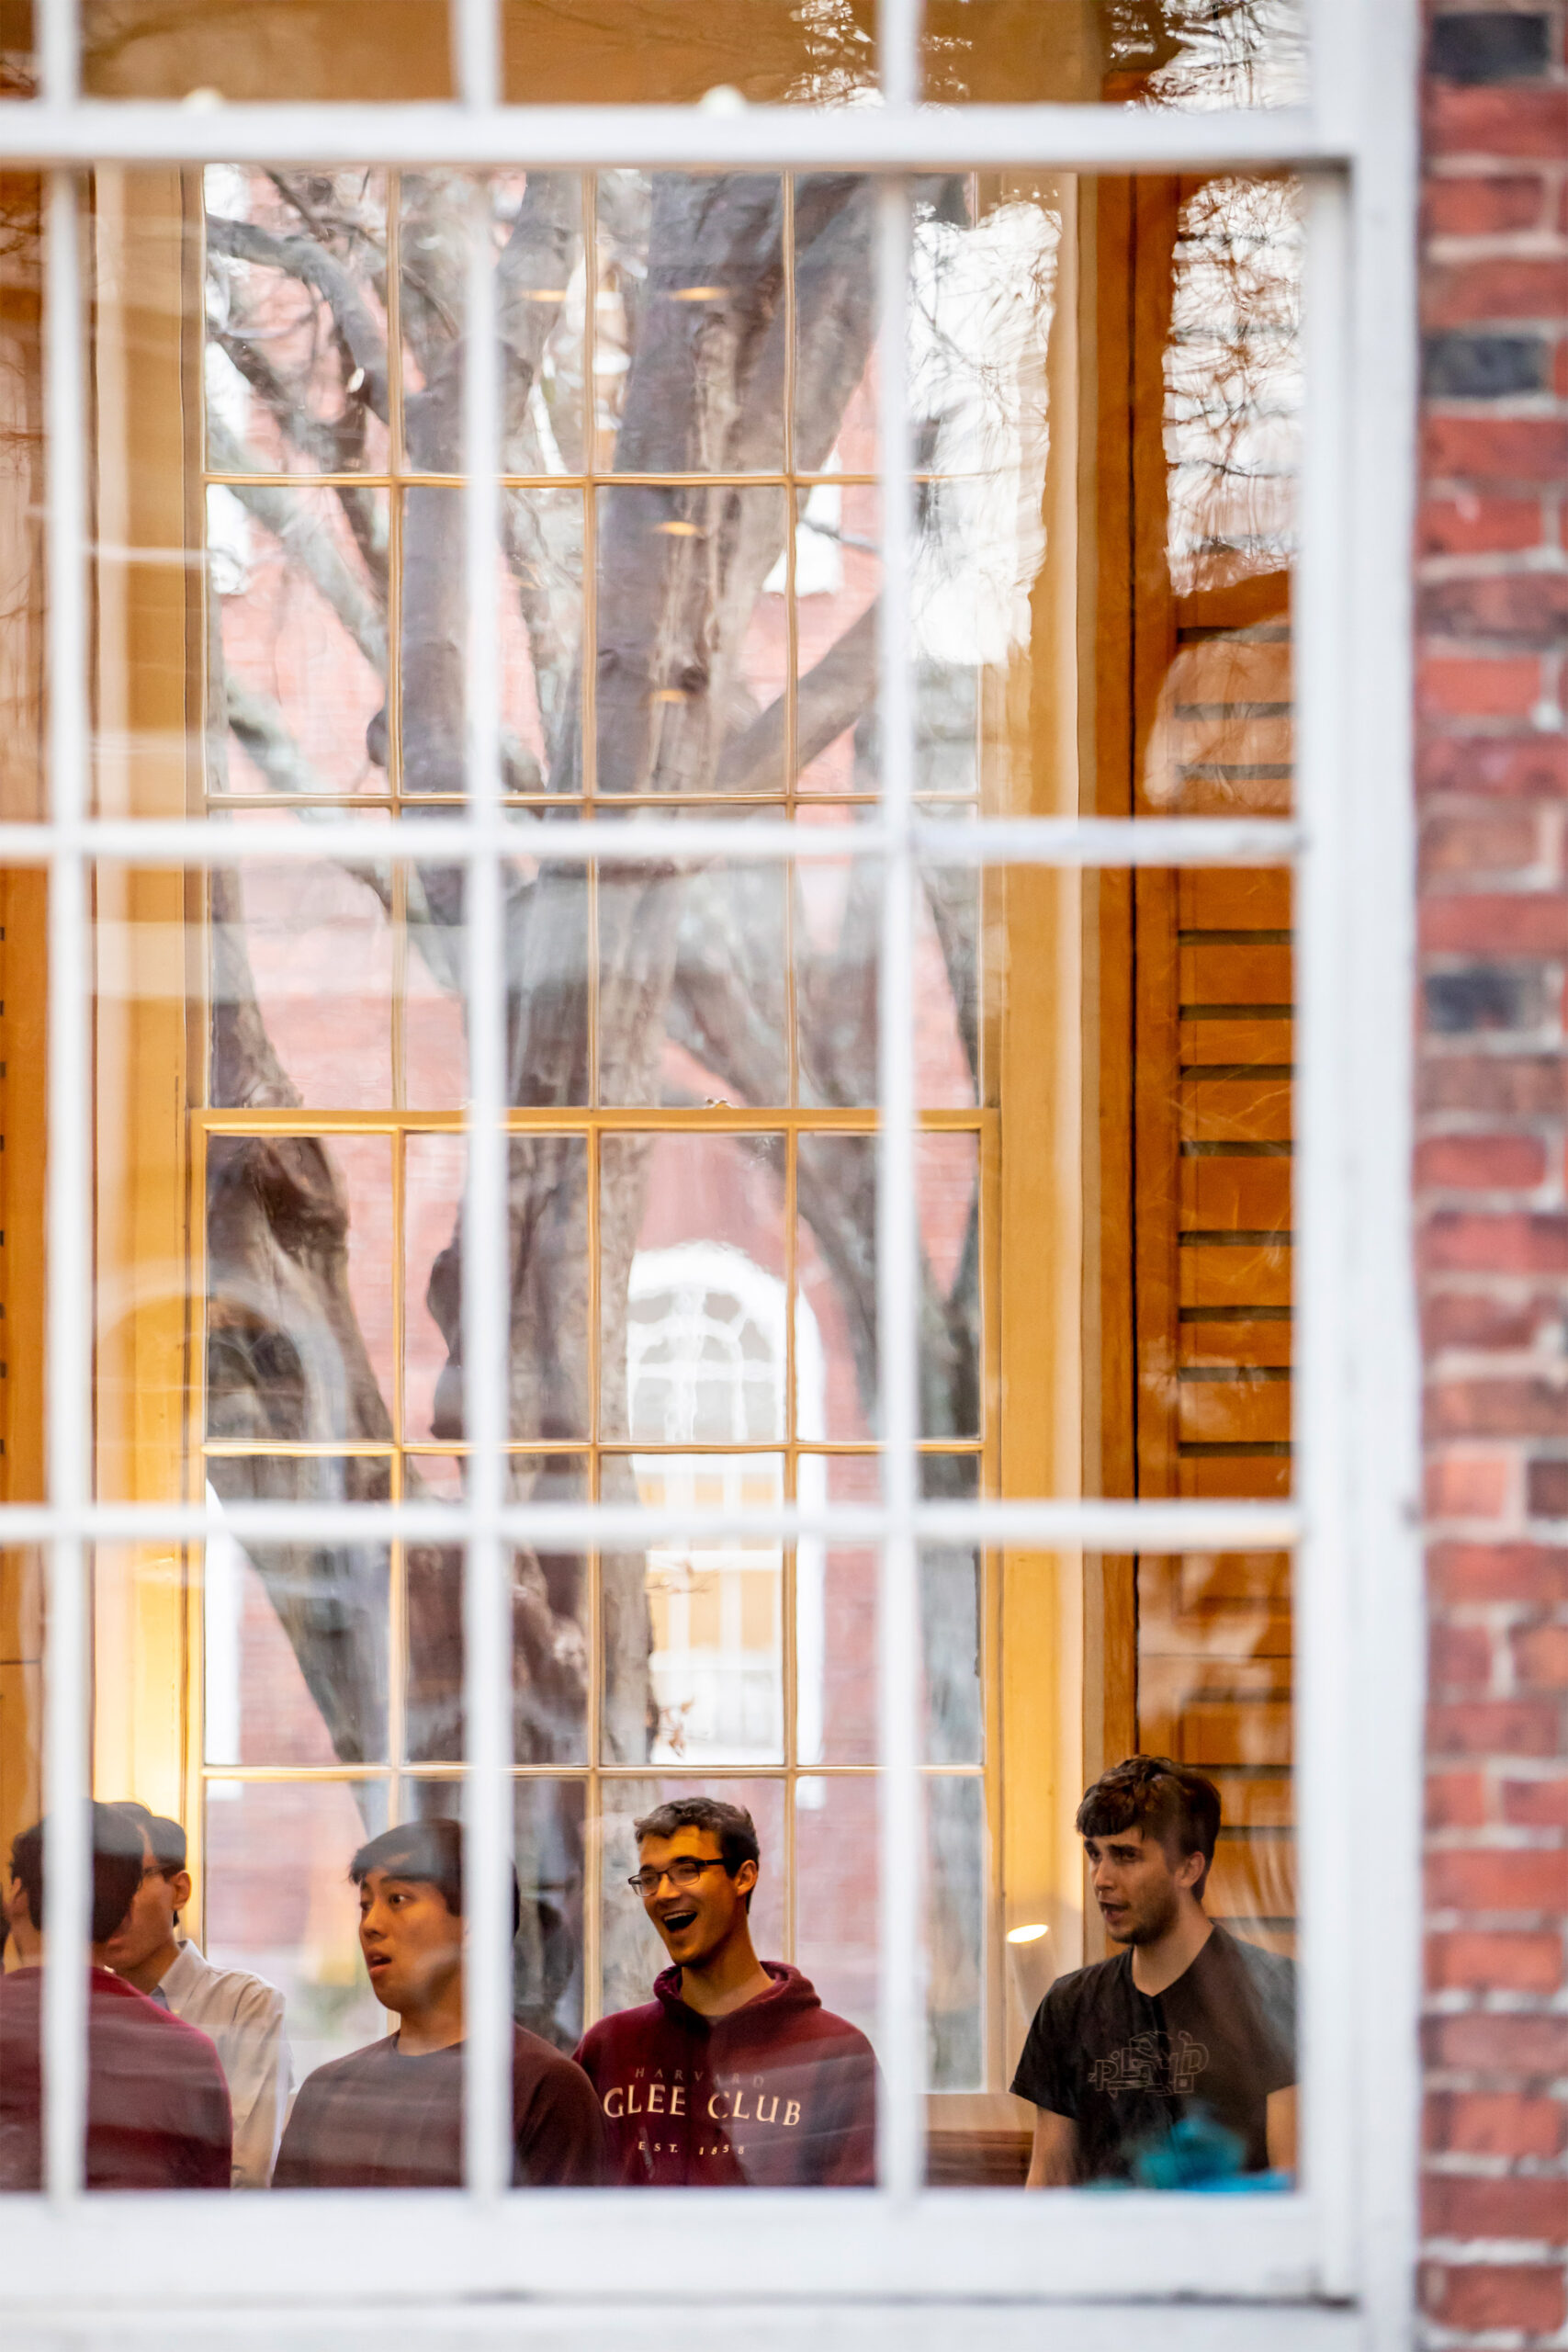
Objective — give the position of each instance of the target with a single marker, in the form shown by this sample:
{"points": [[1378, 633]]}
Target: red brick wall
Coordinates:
{"points": [[1492, 1159]]}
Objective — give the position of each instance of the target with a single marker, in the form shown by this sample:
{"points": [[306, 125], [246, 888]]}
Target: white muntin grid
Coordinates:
{"points": [[1347, 2231]]}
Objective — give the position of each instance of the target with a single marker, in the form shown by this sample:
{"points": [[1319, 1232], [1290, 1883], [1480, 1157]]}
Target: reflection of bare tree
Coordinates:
{"points": [[1233, 380], [699, 955], [1203, 52]]}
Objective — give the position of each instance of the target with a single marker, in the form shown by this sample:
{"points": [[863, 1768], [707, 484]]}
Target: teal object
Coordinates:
{"points": [[1196, 2153]]}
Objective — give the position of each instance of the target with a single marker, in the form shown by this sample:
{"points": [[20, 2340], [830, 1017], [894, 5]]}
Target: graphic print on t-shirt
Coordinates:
{"points": [[1152, 2062], [718, 2110]]}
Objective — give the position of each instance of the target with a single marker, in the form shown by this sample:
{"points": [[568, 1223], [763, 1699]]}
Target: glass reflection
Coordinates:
{"points": [[275, 1857], [1154, 52], [684, 631], [290, 942], [689, 365], [709, 948], [549, 1848], [1103, 1059], [1147, 52], [300, 1288], [716, 1660], [295, 1635], [550, 1635], [286, 366], [266, 49]]}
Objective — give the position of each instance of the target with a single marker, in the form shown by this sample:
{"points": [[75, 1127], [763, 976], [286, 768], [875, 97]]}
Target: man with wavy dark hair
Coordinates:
{"points": [[1173, 2063]]}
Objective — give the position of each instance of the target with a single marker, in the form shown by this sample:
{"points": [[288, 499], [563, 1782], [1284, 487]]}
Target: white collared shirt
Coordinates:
{"points": [[242, 2016]]}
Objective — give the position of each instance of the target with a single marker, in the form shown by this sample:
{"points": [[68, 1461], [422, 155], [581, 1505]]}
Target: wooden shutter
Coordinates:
{"points": [[1195, 1086]]}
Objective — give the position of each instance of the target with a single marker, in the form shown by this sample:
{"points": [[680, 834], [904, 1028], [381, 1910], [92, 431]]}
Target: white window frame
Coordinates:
{"points": [[1334, 2259]]}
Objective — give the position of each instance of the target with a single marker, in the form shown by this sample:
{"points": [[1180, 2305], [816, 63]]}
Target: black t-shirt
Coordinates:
{"points": [[1129, 2070]]}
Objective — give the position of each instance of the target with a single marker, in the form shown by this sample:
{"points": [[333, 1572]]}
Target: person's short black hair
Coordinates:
{"points": [[166, 1838], [431, 1851], [117, 1868], [730, 1824], [1163, 1799]]}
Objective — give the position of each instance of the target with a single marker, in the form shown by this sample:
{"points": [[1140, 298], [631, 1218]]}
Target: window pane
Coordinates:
{"points": [[694, 1305], [689, 365], [952, 1624], [641, 51], [836, 1371], [277, 1903], [837, 580], [957, 1868], [539, 608], [299, 1318], [836, 917], [837, 1870], [537, 230], [550, 1636], [295, 1635], [836, 1621], [693, 984], [835, 1591], [298, 651], [311, 949], [434, 1033], [550, 1319], [947, 1194], [685, 639], [548, 1961], [280, 377], [715, 1642], [1214, 1670]]}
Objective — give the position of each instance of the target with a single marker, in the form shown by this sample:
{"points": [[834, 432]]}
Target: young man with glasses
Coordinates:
{"points": [[734, 2074], [242, 2015]]}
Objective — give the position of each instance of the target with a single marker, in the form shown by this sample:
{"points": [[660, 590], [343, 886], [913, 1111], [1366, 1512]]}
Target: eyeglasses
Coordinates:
{"points": [[684, 1873]]}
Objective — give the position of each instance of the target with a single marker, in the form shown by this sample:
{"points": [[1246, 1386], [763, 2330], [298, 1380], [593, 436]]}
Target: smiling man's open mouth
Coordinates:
{"points": [[679, 1921]]}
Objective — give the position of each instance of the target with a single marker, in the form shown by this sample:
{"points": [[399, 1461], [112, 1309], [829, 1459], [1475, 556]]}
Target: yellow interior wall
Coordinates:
{"points": [[24, 926], [145, 666], [1042, 1210], [23, 923]]}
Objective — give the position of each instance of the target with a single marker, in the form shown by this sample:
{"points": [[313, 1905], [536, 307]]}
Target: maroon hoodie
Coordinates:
{"points": [[780, 2094]]}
